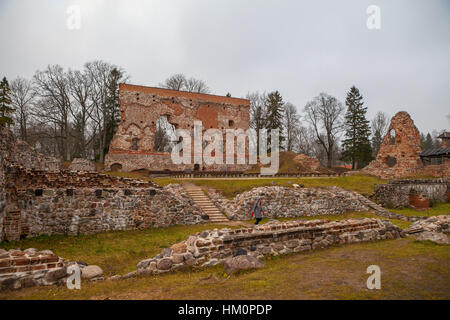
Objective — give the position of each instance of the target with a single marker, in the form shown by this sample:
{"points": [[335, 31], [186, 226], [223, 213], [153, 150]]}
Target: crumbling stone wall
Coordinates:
{"points": [[289, 202], [79, 164], [18, 152], [213, 247], [29, 268], [48, 211], [398, 193], [399, 152], [36, 201], [132, 147]]}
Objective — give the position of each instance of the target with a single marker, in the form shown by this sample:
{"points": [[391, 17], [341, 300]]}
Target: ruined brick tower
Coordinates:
{"points": [[399, 154], [132, 147]]}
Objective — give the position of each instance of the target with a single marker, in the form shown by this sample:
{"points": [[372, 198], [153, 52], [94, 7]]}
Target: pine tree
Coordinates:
{"points": [[113, 105], [429, 144], [5, 103], [356, 145], [275, 111], [423, 141]]}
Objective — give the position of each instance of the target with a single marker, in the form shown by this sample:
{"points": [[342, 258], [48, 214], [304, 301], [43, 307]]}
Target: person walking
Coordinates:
{"points": [[258, 211]]}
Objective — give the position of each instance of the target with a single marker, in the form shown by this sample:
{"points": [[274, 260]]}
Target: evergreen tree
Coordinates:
{"points": [[275, 112], [356, 145], [113, 105], [5, 103], [428, 143], [423, 141]]}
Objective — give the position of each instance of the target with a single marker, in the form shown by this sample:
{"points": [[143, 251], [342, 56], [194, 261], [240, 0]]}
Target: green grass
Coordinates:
{"points": [[231, 187], [117, 252], [409, 270], [435, 210]]}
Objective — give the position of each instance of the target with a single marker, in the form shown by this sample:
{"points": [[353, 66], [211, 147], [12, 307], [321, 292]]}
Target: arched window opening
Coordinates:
{"points": [[392, 136], [134, 144], [164, 137]]}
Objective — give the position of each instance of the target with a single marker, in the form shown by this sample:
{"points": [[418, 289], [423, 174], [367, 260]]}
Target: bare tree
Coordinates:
{"points": [[174, 82], [380, 124], [304, 140], [258, 113], [324, 113], [105, 78], [81, 85], [196, 85], [163, 134], [22, 96], [54, 106], [181, 83], [291, 124]]}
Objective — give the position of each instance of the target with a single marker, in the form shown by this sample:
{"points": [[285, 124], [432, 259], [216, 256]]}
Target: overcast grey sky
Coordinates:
{"points": [[300, 48]]}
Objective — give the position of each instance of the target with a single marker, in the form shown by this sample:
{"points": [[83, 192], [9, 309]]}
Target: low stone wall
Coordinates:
{"points": [[29, 268], [432, 224], [398, 193], [17, 151], [213, 247], [80, 164], [290, 202], [92, 210], [29, 178]]}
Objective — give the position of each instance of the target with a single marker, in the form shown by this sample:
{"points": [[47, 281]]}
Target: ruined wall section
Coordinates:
{"points": [[15, 151], [283, 202], [399, 152], [132, 147], [401, 193], [209, 248], [87, 210]]}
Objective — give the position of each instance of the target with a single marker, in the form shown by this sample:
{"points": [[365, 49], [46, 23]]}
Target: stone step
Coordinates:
{"points": [[205, 203]]}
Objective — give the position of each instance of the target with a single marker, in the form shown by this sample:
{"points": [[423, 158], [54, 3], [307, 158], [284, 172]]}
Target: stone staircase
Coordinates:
{"points": [[382, 212], [200, 199]]}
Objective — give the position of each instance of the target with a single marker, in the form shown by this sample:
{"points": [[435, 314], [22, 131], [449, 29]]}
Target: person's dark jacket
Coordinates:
{"points": [[257, 210]]}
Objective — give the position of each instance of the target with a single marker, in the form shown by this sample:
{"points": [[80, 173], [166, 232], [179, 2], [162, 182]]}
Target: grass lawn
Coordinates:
{"points": [[410, 269], [230, 187], [117, 252], [435, 210]]}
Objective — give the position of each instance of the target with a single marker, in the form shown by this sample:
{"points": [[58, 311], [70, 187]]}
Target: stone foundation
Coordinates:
{"points": [[29, 268], [213, 247], [289, 202], [406, 193], [79, 164], [72, 211]]}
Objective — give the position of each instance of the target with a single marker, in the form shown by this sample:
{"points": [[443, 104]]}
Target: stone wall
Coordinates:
{"points": [[79, 164], [18, 152], [29, 268], [289, 202], [213, 247], [398, 193], [48, 211], [399, 152], [132, 147]]}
